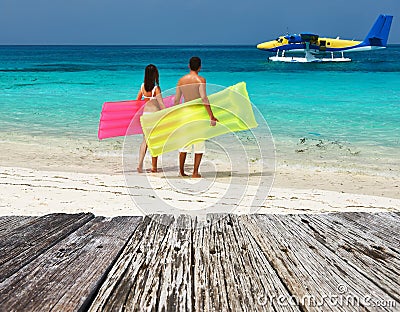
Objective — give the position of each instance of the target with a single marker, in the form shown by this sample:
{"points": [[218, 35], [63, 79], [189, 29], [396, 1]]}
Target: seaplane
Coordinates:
{"points": [[314, 46]]}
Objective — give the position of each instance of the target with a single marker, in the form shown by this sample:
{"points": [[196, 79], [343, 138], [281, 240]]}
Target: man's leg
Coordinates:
{"points": [[154, 164], [197, 161], [199, 149], [182, 159]]}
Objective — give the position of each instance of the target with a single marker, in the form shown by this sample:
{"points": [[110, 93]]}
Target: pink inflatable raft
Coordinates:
{"points": [[123, 118]]}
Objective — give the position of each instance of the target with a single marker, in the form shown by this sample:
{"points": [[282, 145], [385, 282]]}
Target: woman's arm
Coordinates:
{"points": [[140, 94], [159, 98]]}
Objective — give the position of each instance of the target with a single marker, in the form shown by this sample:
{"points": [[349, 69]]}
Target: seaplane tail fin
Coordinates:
{"points": [[379, 33]]}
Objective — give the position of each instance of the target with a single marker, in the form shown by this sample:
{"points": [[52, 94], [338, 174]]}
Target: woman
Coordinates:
{"points": [[150, 91]]}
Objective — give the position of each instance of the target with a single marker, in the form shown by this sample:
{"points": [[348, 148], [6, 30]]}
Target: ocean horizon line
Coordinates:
{"points": [[128, 45], [143, 45]]}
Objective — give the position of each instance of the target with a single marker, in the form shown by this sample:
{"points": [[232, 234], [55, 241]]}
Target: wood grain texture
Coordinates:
{"points": [[23, 244], [153, 272], [383, 226], [66, 276], [307, 266], [366, 253], [231, 273], [175, 263], [10, 223]]}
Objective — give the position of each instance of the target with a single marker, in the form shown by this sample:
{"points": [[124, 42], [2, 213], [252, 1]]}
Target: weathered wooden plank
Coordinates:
{"points": [[25, 243], [247, 263], [153, 272], [176, 281], [385, 225], [231, 273], [312, 272], [210, 293], [66, 276], [365, 252], [10, 223]]}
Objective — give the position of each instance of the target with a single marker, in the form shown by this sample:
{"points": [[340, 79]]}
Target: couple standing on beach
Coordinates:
{"points": [[191, 86]]}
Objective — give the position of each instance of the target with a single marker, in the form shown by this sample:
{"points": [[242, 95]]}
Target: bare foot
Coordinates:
{"points": [[154, 170], [196, 175], [182, 174], [139, 169]]}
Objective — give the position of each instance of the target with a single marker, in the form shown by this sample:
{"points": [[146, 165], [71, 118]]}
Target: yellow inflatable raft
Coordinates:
{"points": [[178, 126]]}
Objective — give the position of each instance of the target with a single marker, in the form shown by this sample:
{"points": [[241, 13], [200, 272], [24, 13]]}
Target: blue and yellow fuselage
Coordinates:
{"points": [[375, 39], [321, 45]]}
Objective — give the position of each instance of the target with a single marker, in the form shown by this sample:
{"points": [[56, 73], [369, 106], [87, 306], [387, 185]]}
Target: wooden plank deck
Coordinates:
{"points": [[308, 262]]}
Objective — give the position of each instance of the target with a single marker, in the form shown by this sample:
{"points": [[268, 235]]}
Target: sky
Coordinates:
{"points": [[161, 22]]}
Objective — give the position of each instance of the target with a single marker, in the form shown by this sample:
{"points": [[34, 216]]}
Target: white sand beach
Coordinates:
{"points": [[37, 192], [72, 177]]}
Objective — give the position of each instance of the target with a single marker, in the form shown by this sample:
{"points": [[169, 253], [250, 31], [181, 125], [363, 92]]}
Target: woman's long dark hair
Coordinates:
{"points": [[151, 77]]}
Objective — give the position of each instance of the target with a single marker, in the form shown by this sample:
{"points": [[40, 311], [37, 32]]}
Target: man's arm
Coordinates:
{"points": [[178, 95], [206, 102]]}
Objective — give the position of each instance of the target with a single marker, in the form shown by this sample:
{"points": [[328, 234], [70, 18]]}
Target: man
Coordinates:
{"points": [[192, 86]]}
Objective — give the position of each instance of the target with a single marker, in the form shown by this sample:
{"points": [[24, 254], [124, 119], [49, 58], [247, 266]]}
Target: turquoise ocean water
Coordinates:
{"points": [[58, 91]]}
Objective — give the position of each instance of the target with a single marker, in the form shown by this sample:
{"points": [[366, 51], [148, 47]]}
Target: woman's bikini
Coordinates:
{"points": [[148, 98]]}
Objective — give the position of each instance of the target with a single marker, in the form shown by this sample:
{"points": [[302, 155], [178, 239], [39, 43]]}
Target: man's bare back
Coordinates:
{"points": [[192, 86]]}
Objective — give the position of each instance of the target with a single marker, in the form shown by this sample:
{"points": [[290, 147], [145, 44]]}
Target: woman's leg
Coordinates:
{"points": [[142, 153]]}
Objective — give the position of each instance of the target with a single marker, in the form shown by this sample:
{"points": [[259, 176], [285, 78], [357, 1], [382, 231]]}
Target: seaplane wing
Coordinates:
{"points": [[313, 45]]}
